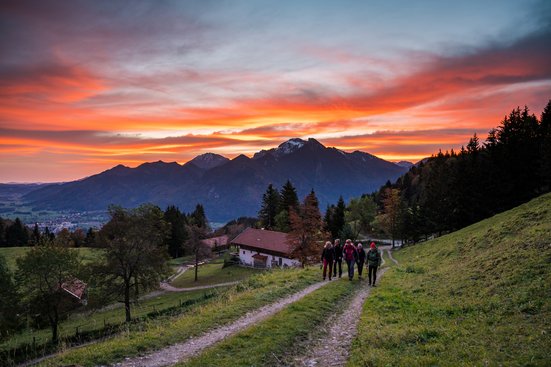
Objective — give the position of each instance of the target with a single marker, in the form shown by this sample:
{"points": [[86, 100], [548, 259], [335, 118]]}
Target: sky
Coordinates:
{"points": [[87, 85]]}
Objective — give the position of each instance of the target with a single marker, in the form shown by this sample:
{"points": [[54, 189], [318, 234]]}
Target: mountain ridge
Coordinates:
{"points": [[228, 188]]}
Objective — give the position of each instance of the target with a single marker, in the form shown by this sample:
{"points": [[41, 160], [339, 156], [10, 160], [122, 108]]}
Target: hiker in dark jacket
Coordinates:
{"points": [[338, 258], [350, 255], [327, 258], [373, 262], [361, 259]]}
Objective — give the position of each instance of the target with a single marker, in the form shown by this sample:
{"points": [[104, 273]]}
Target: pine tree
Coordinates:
{"points": [[178, 234], [17, 234], [199, 218], [35, 236], [269, 209], [289, 198], [339, 217], [9, 300], [545, 148]]}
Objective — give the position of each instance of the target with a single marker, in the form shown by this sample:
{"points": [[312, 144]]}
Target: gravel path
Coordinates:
{"points": [[194, 346], [332, 348], [329, 349]]}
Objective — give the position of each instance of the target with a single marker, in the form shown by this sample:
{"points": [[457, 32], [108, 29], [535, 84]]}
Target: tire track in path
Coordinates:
{"points": [[193, 346]]}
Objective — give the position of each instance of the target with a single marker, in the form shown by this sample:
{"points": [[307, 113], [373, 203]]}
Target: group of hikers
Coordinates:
{"points": [[333, 255]]}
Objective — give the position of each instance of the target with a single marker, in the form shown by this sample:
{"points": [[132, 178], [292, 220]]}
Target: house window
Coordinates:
{"points": [[243, 252], [280, 261]]}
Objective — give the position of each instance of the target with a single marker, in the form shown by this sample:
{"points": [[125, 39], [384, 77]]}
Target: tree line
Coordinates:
{"points": [[451, 190]]}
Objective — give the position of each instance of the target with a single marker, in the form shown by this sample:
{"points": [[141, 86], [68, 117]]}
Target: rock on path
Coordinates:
{"points": [[193, 346]]}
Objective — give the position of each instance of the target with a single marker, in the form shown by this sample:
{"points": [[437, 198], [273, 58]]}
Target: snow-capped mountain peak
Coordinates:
{"points": [[289, 146], [209, 160]]}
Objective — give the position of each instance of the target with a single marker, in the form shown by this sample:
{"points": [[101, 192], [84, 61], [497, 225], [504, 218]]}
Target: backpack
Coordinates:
{"points": [[373, 256], [349, 252]]}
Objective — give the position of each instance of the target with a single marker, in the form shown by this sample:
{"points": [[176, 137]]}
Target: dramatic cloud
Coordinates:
{"points": [[87, 85]]}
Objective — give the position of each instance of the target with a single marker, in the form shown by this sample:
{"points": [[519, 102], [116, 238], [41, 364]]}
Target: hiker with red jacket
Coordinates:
{"points": [[327, 258], [350, 255], [337, 248], [373, 262], [360, 260]]}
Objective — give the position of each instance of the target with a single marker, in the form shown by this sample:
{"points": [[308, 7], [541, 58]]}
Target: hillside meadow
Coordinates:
{"points": [[480, 296]]}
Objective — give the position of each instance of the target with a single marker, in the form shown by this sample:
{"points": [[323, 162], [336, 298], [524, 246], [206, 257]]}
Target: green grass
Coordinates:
{"points": [[181, 260], [272, 341], [476, 297], [12, 253], [256, 292], [213, 273]]}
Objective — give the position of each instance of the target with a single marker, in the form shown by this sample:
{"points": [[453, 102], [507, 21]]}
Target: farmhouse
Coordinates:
{"points": [[263, 249]]}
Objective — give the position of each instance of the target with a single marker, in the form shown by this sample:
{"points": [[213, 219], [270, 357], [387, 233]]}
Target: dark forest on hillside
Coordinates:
{"points": [[451, 190]]}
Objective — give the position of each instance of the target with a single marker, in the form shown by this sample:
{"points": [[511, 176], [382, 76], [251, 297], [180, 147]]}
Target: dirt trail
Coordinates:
{"points": [[194, 346], [390, 256], [332, 348]]}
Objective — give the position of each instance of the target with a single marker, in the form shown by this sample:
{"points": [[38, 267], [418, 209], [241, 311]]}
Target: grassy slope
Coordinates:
{"points": [[213, 273], [478, 296], [258, 291]]}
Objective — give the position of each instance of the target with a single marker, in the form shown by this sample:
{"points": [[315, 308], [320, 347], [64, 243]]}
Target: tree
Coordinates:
{"points": [[199, 218], [178, 234], [359, 215], [35, 236], [288, 201], [196, 246], [306, 234], [338, 216], [40, 276], [269, 208], [17, 234], [9, 300], [135, 255], [90, 239], [390, 219], [545, 147]]}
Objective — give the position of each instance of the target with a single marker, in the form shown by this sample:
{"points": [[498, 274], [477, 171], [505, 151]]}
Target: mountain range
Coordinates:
{"points": [[227, 188]]}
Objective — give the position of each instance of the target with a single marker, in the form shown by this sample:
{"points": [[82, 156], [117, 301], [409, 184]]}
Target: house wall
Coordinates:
{"points": [[246, 257]]}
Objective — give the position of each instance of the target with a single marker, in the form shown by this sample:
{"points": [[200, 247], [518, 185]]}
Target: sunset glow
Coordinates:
{"points": [[87, 85]]}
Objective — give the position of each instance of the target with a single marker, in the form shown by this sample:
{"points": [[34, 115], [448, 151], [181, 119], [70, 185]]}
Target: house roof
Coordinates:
{"points": [[263, 240], [75, 287], [216, 241]]}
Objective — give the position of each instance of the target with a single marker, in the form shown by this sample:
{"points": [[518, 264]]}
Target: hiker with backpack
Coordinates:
{"points": [[337, 248], [373, 262], [350, 255], [361, 259], [327, 258]]}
